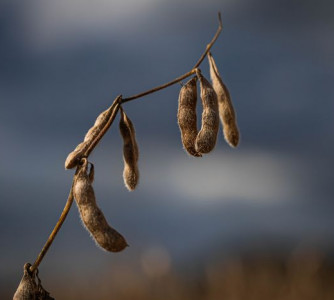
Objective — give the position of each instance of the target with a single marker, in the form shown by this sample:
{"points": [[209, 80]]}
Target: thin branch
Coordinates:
{"points": [[209, 46], [193, 70], [54, 231], [160, 87]]}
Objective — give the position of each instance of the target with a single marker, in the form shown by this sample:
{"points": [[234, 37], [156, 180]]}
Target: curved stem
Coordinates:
{"points": [[160, 87], [193, 70], [54, 231], [209, 46]]}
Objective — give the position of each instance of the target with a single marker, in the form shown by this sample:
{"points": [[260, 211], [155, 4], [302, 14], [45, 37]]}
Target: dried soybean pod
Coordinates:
{"points": [[129, 124], [226, 110], [207, 136], [93, 135], [73, 158], [91, 173], [130, 152], [186, 116], [91, 215], [100, 122], [27, 289]]}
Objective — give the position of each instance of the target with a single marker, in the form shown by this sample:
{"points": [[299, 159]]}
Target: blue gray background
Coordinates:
{"points": [[63, 62]]}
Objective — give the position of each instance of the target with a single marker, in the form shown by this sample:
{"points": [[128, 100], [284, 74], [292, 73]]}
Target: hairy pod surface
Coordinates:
{"points": [[186, 116], [100, 122], [226, 110], [27, 289], [207, 136], [91, 215], [74, 157], [130, 152]]}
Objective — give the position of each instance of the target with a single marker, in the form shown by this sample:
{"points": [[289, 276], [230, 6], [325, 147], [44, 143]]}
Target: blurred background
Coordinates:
{"points": [[254, 222]]}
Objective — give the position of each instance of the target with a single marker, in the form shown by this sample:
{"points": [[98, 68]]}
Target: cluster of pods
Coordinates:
{"points": [[91, 215], [217, 105]]}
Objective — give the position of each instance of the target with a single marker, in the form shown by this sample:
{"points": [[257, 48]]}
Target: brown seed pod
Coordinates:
{"points": [[91, 215], [73, 158], [100, 122], [207, 136], [91, 174], [27, 289], [186, 116], [226, 111], [93, 135], [130, 152]]}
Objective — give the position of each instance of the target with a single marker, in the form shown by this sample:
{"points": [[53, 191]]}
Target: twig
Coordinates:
{"points": [[116, 104], [54, 231], [209, 46], [193, 70]]}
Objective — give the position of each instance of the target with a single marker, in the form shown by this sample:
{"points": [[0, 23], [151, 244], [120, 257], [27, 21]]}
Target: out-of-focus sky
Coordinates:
{"points": [[63, 62]]}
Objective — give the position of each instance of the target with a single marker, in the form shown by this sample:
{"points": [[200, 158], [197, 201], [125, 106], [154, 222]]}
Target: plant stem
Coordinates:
{"points": [[54, 231], [193, 70]]}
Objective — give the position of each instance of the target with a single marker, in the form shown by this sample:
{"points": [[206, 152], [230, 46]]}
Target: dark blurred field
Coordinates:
{"points": [[301, 276]]}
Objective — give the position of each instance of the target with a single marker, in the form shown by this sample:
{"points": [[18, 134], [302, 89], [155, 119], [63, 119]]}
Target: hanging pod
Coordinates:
{"points": [[92, 134], [91, 215], [186, 116], [101, 120], [226, 110], [207, 136], [130, 152]]}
